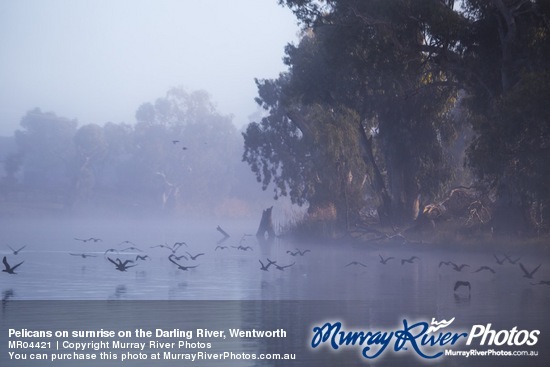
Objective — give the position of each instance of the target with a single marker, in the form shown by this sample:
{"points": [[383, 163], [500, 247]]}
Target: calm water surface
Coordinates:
{"points": [[374, 295]]}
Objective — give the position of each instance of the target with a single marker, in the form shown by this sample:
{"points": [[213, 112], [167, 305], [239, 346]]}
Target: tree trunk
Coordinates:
{"points": [[266, 225]]}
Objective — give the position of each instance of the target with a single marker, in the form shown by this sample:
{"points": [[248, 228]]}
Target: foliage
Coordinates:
{"points": [[365, 58]]}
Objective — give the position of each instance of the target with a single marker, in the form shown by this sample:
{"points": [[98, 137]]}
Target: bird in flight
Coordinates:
{"points": [[181, 267], [243, 248], [194, 257], [298, 252], [178, 257], [110, 250], [510, 260], [15, 252], [385, 261], [83, 255], [282, 267], [266, 267], [120, 265], [459, 267], [220, 247], [132, 248], [499, 261], [441, 263], [461, 283], [410, 261], [140, 257], [542, 282], [174, 248], [355, 263], [10, 269], [481, 268], [528, 274]]}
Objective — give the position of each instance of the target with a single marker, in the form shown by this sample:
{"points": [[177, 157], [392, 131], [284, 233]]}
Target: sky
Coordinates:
{"points": [[97, 61]]}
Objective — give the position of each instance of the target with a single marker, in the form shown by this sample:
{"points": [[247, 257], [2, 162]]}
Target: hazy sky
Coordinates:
{"points": [[98, 60]]}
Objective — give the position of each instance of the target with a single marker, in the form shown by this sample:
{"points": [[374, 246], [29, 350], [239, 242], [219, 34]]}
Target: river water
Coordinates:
{"points": [[55, 289]]}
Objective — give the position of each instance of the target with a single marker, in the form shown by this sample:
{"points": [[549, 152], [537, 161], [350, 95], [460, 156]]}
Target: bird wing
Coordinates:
{"points": [[5, 261], [22, 248], [172, 261], [535, 269], [15, 267], [111, 260], [523, 269]]}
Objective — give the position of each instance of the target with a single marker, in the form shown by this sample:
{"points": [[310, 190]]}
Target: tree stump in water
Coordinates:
{"points": [[266, 225]]}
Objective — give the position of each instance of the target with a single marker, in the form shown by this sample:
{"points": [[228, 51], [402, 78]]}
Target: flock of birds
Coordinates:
{"points": [[114, 254], [126, 255], [461, 268]]}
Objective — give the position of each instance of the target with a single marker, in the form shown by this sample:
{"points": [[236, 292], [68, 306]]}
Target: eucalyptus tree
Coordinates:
{"points": [[365, 59]]}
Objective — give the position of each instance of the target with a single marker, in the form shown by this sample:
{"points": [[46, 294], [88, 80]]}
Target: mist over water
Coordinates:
{"points": [[378, 295], [52, 269]]}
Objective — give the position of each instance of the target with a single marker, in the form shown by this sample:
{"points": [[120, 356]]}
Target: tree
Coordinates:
{"points": [[183, 151], [46, 145], [507, 49], [366, 58]]}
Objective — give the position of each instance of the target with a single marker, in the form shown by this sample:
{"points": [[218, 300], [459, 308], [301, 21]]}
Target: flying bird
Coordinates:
{"points": [[10, 269], [512, 261], [542, 282], [528, 274], [82, 255], [459, 267], [410, 261], [445, 263], [220, 247], [127, 242], [499, 261], [178, 257], [120, 265], [265, 267], [298, 252], [283, 267], [461, 283], [110, 250], [132, 248], [481, 268], [139, 257], [15, 252], [355, 263], [243, 248], [385, 261], [194, 257], [181, 267]]}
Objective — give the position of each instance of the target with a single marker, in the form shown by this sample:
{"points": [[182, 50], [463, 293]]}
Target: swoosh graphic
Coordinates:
{"points": [[439, 325]]}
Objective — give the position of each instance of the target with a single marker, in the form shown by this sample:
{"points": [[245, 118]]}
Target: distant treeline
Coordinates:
{"points": [[181, 156]]}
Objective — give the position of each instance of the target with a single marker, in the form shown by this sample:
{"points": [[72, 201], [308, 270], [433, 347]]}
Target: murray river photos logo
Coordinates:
{"points": [[427, 340]]}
